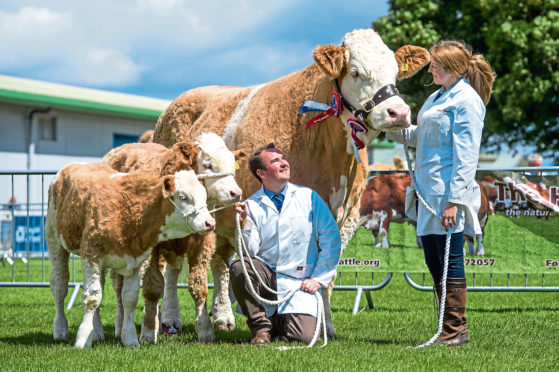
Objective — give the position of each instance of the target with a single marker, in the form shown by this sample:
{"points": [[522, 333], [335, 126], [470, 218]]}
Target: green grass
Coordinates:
{"points": [[509, 331]]}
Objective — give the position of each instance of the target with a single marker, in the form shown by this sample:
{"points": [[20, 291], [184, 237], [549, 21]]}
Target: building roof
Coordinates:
{"points": [[40, 93]]}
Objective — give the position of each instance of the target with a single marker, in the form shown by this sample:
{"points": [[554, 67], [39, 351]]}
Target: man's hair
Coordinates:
{"points": [[255, 161]]}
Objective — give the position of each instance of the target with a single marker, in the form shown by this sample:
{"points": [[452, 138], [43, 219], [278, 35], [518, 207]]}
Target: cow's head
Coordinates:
{"points": [[215, 158], [363, 65], [191, 214]]}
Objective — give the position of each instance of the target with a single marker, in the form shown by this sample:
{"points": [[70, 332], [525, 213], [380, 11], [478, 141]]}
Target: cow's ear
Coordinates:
{"points": [[187, 151], [168, 186], [240, 155], [410, 60], [330, 58]]}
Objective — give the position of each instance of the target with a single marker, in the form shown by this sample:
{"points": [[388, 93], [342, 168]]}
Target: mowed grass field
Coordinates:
{"points": [[509, 331]]}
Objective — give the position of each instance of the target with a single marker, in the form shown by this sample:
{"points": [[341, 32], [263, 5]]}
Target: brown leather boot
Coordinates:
{"points": [[455, 331]]}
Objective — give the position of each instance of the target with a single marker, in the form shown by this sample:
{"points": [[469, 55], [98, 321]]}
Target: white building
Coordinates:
{"points": [[46, 126]]}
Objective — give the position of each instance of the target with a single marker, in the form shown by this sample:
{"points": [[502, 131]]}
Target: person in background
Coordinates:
{"points": [[447, 140]]}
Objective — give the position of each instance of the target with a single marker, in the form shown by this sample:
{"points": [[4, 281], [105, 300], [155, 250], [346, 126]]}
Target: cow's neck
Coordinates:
{"points": [[144, 209], [327, 148]]}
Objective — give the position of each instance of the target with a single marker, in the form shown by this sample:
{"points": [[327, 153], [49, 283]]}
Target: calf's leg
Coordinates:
{"points": [[91, 299], [116, 280], [199, 256], [59, 278], [221, 306], [130, 292]]}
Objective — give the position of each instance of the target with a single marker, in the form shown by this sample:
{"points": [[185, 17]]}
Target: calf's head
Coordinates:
{"points": [[189, 199], [364, 66], [214, 158]]}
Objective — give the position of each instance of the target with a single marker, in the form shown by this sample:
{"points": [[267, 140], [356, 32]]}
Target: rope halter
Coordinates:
{"points": [[203, 176]]}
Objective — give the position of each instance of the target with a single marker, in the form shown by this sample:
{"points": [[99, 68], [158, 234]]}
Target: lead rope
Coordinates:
{"points": [[446, 250], [320, 319]]}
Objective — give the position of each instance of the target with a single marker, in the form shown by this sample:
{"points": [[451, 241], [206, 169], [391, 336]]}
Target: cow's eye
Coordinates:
{"points": [[208, 166], [183, 198], [355, 74]]}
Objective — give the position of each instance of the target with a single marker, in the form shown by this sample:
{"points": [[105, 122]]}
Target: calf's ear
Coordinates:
{"points": [[168, 186], [330, 59], [187, 151], [410, 60], [240, 155]]}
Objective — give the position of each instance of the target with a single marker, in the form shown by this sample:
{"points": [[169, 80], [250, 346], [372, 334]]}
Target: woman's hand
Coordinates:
{"points": [[310, 285], [449, 216]]}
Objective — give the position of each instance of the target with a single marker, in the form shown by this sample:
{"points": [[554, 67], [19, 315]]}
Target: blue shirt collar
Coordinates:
{"points": [[270, 194]]}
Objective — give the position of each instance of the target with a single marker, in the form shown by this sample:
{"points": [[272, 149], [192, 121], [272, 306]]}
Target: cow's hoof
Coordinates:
{"points": [[60, 334], [98, 335], [169, 329], [226, 323], [148, 336], [330, 330]]}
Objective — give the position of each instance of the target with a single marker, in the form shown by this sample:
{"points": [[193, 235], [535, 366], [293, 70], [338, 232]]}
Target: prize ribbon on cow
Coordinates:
{"points": [[335, 108], [357, 127]]}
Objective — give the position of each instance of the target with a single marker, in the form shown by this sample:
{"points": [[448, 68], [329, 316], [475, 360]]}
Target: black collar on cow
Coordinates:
{"points": [[382, 94]]}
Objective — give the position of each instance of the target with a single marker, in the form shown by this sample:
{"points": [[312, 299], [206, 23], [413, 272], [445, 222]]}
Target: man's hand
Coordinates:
{"points": [[310, 285], [241, 208], [449, 216]]}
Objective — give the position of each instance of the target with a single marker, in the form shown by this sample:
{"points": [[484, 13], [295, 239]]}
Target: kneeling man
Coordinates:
{"points": [[296, 242]]}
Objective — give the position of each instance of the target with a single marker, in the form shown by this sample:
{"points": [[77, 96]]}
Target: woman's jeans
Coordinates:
{"points": [[434, 246]]}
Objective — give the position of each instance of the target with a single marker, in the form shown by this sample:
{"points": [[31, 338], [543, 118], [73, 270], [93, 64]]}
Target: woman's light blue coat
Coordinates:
{"points": [[447, 138]]}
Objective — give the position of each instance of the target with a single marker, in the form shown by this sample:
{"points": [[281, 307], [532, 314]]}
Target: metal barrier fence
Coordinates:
{"points": [[32, 213]]}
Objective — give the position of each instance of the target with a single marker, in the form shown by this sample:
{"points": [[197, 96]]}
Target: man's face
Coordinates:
{"points": [[277, 167]]}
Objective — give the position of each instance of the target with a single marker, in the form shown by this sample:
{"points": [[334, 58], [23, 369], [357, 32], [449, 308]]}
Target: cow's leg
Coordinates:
{"points": [[221, 305], [326, 295], [199, 261], [471, 248], [91, 299], [347, 230], [130, 292], [153, 286], [377, 240], [116, 280], [171, 321], [384, 224], [59, 278], [98, 333], [480, 250]]}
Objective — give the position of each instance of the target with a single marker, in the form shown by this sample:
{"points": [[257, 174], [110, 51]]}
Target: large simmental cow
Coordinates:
{"points": [[364, 69], [113, 221], [383, 202], [208, 156]]}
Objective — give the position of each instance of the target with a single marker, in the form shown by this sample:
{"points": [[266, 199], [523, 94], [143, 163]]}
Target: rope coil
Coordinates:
{"points": [[320, 319]]}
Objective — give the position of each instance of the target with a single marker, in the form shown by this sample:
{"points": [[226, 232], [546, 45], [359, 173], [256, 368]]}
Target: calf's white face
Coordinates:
{"points": [[191, 212], [370, 66], [214, 157]]}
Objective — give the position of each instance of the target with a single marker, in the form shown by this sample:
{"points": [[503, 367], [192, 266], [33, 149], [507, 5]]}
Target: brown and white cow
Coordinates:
{"points": [[208, 156], [382, 202], [322, 157], [113, 221]]}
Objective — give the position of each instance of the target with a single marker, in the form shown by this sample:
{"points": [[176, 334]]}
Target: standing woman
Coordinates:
{"points": [[447, 138]]}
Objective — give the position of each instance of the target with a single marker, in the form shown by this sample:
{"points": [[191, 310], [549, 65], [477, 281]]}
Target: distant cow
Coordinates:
{"points": [[210, 157], [398, 164], [113, 221], [488, 198], [383, 202]]}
